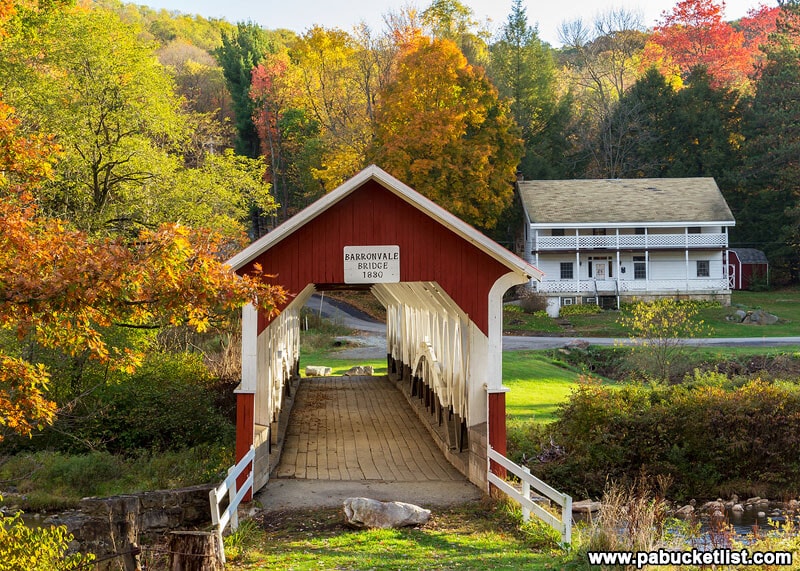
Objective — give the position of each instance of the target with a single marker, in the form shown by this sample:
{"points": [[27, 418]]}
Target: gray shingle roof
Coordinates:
{"points": [[642, 200], [751, 256]]}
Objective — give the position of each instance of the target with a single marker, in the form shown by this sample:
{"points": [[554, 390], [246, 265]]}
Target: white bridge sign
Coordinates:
{"points": [[371, 264]]}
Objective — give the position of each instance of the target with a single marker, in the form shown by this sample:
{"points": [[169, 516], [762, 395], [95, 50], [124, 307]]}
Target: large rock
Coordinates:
{"points": [[760, 317], [317, 371], [586, 506], [359, 371], [368, 513], [684, 511]]}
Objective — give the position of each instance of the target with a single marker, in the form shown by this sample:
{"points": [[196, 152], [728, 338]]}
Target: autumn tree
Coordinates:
{"points": [[768, 209], [441, 128], [62, 288], [338, 78], [290, 137], [694, 34]]}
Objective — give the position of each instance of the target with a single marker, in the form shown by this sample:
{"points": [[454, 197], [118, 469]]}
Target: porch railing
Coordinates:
{"points": [[609, 287], [637, 241]]}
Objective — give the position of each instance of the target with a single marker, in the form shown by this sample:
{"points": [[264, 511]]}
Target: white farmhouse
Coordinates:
{"points": [[607, 241]]}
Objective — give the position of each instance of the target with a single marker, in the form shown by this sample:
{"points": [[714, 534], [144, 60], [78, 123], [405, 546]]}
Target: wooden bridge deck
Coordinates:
{"points": [[359, 428]]}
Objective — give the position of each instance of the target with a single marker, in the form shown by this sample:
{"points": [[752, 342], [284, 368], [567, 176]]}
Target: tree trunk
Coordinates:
{"points": [[195, 551]]}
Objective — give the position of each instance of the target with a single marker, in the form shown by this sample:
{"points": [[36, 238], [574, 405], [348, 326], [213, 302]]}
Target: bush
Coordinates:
{"points": [[710, 437], [171, 402], [36, 549], [179, 388], [531, 301], [582, 309]]}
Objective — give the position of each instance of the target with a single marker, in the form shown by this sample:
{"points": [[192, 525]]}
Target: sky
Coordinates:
{"points": [[300, 15]]}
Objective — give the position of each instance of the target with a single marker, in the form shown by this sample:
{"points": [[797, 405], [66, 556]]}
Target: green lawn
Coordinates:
{"points": [[537, 385], [475, 537], [783, 303], [337, 364]]}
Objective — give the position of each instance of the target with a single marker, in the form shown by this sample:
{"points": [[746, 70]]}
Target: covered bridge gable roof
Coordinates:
{"points": [[404, 192], [645, 201]]}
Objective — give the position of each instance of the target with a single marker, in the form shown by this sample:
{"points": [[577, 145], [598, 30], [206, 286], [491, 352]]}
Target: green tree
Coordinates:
{"points": [[659, 331], [656, 131], [523, 70], [241, 51], [768, 209], [442, 129], [453, 20], [706, 130], [89, 81], [639, 131]]}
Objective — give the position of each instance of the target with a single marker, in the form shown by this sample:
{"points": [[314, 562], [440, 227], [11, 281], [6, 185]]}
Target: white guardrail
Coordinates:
{"points": [[563, 526], [228, 487]]}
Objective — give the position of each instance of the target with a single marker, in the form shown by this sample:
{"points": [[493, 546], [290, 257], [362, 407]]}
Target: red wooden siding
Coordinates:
{"points": [[245, 421], [373, 215], [497, 429]]}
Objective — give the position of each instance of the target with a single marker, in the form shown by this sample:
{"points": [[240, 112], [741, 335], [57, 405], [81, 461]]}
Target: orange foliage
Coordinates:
{"points": [[61, 287], [441, 128]]}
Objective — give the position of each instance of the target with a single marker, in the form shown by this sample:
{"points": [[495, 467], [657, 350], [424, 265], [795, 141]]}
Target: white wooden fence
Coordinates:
{"points": [[563, 526], [228, 487]]}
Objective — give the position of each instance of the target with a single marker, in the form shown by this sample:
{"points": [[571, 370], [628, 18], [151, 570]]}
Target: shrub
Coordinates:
{"points": [[708, 436], [658, 330], [582, 309], [531, 301], [36, 549]]}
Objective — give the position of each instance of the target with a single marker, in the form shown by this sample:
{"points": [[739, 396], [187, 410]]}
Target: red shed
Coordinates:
{"points": [[746, 265]]}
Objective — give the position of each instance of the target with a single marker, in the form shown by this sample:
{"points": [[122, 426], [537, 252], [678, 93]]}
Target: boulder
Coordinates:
{"points": [[317, 371], [685, 511], [737, 508], [760, 317], [368, 513], [586, 506], [359, 371]]}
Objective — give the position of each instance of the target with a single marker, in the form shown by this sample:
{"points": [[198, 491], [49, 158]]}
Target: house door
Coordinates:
{"points": [[600, 270]]}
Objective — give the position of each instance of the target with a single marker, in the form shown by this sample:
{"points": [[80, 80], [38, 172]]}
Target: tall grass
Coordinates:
{"points": [[48, 480]]}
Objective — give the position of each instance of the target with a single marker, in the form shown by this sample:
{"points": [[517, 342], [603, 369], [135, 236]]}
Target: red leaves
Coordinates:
{"points": [[694, 34]]}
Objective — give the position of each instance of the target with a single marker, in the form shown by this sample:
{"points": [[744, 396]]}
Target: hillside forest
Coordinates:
{"points": [[139, 149]]}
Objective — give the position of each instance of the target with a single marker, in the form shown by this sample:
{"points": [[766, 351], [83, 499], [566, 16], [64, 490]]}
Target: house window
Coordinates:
{"points": [[639, 231], [703, 269], [639, 268], [566, 271], [695, 230], [557, 232]]}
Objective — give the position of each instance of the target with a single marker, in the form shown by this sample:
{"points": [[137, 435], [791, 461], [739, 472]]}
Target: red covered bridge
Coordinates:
{"points": [[442, 283]]}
